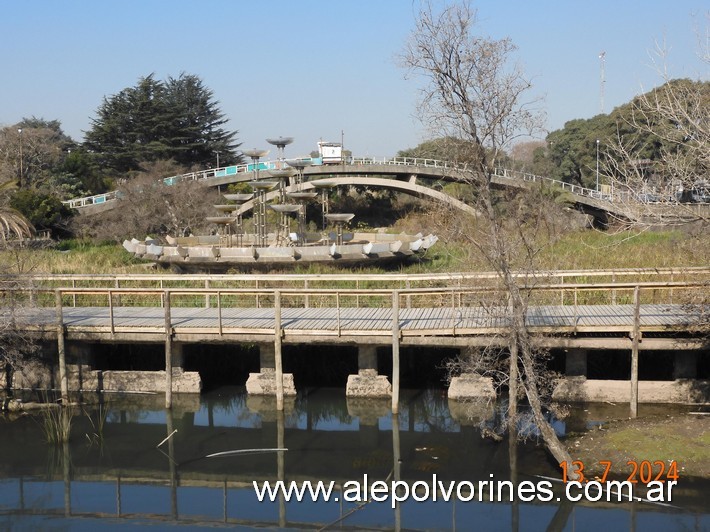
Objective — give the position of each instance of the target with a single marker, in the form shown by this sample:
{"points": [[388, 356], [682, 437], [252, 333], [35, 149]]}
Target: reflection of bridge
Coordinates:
{"points": [[128, 479], [417, 177]]}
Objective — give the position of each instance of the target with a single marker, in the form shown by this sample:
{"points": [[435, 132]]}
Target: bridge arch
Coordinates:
{"points": [[406, 187]]}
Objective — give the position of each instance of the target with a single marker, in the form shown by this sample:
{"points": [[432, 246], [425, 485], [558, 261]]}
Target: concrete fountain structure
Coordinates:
{"points": [[266, 248]]}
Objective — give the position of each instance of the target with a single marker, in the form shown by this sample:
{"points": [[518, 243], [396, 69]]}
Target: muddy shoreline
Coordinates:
{"points": [[683, 438]]}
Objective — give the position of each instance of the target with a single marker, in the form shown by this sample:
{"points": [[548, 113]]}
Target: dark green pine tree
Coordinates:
{"points": [[157, 120], [197, 133]]}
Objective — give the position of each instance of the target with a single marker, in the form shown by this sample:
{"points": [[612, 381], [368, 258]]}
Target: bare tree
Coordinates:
{"points": [[472, 92], [676, 117], [147, 206]]}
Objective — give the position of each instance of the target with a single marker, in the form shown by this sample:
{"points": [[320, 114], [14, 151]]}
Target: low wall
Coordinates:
{"points": [[35, 375], [580, 389]]}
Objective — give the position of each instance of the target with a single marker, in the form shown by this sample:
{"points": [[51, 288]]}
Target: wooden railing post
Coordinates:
{"points": [[219, 311], [110, 313], [636, 338], [337, 308], [168, 351], [395, 352], [278, 359], [61, 347]]}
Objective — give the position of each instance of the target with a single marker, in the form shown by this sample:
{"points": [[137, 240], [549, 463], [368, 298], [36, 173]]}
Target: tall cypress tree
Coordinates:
{"points": [[197, 135], [154, 120]]}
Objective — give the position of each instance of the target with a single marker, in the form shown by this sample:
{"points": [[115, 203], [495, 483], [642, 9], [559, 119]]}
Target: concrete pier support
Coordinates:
{"points": [[264, 382], [178, 356], [367, 382], [472, 386]]}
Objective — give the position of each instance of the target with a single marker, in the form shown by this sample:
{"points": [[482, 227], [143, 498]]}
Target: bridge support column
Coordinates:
{"points": [[178, 357], [367, 382], [264, 382], [79, 372], [572, 387], [685, 365]]}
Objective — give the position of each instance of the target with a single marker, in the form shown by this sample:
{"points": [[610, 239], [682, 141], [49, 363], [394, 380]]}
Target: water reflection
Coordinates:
{"points": [[130, 479]]}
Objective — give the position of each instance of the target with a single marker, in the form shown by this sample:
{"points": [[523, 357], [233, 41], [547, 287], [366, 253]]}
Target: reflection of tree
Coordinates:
{"points": [[325, 410], [431, 413]]}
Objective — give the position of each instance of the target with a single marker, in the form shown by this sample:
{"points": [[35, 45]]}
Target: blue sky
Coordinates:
{"points": [[311, 69]]}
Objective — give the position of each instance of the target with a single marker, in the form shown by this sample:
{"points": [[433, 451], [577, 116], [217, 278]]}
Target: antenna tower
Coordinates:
{"points": [[602, 80]]}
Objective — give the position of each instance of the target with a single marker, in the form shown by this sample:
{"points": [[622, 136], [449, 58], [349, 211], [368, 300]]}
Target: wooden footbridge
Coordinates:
{"points": [[624, 309]]}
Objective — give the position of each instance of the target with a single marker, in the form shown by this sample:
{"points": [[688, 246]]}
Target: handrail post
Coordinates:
{"points": [[562, 291], [168, 351], [219, 311], [61, 347], [635, 354], [337, 309], [278, 360], [395, 351], [110, 312]]}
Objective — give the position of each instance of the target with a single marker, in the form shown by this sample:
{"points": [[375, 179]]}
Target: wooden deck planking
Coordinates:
{"points": [[360, 320]]}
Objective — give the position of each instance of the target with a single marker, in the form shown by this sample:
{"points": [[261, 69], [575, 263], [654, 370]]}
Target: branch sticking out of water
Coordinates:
{"points": [[244, 451], [166, 439]]}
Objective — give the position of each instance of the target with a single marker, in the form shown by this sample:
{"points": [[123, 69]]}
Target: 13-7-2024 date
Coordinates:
{"points": [[642, 472]]}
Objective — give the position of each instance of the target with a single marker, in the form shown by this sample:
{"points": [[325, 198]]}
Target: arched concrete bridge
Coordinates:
{"points": [[406, 187], [417, 177]]}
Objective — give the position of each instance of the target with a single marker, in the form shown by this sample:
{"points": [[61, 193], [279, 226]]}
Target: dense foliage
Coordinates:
{"points": [[177, 119], [651, 137], [43, 210], [646, 133]]}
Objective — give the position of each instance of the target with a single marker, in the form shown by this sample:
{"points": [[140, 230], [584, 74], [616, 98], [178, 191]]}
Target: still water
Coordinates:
{"points": [[125, 474]]}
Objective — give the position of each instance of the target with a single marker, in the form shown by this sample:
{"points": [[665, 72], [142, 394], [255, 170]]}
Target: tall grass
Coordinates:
{"points": [[576, 250], [56, 423], [97, 422]]}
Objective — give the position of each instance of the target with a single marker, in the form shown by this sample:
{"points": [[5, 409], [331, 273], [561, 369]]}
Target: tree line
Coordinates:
{"points": [[657, 142], [176, 120]]}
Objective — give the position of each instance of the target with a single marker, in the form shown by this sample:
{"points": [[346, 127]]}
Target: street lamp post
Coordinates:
{"points": [[19, 131], [597, 165]]}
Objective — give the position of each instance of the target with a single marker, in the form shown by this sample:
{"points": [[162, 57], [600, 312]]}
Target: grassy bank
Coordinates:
{"points": [[585, 249], [684, 438]]}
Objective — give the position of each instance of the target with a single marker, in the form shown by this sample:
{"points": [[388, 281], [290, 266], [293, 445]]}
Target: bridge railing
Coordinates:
{"points": [[350, 280], [215, 173], [488, 303], [502, 173], [403, 161]]}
